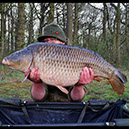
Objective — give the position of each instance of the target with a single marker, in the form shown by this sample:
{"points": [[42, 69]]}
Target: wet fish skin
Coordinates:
{"points": [[60, 65]]}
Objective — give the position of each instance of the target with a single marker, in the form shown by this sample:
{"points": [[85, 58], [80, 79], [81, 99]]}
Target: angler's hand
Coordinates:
{"points": [[34, 75], [86, 76]]}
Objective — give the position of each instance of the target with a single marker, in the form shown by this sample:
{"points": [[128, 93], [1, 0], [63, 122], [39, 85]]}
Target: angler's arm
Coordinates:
{"points": [[79, 91], [38, 89]]}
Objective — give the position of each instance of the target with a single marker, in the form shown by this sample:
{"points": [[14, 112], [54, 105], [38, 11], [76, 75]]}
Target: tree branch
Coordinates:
{"points": [[95, 7]]}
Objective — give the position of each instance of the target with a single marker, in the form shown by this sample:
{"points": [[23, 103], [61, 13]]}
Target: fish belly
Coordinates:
{"points": [[60, 73]]}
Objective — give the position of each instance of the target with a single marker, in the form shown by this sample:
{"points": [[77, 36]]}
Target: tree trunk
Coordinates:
{"points": [[104, 21], [2, 29], [44, 7], [69, 23], [31, 31], [64, 17], [75, 35], [118, 62], [12, 31], [9, 30], [21, 26], [51, 13], [127, 31]]}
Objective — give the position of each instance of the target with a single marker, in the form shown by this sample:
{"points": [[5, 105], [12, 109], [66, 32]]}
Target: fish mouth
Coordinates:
{"points": [[5, 61]]}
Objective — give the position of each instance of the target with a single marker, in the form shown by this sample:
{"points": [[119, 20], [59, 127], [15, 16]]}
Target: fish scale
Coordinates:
{"points": [[61, 65]]}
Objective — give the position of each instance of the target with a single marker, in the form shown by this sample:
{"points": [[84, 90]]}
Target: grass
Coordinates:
{"points": [[11, 86]]}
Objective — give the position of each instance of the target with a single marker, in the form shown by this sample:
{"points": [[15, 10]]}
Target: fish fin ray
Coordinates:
{"points": [[64, 90], [30, 59], [26, 76], [97, 79]]}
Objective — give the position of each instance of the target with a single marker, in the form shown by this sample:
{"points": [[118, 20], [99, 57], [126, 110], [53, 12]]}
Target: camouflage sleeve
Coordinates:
{"points": [[80, 100]]}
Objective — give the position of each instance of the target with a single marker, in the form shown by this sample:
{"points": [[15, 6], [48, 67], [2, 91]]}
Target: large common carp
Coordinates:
{"points": [[60, 65]]}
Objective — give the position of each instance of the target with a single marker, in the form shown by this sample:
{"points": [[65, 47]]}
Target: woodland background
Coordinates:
{"points": [[101, 27]]}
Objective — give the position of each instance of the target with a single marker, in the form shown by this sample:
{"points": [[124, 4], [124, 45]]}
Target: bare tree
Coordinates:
{"points": [[21, 26], [51, 13], [2, 29], [69, 23], [75, 23], [118, 35], [127, 30], [42, 15], [30, 23]]}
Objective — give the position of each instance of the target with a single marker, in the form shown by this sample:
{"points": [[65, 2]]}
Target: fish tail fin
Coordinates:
{"points": [[117, 81]]}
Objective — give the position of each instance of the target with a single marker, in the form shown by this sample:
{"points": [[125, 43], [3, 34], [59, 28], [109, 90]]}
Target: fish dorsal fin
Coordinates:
{"points": [[64, 90]]}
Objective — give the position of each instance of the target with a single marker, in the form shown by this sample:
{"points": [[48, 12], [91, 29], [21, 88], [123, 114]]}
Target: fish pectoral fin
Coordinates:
{"points": [[64, 90], [26, 76]]}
